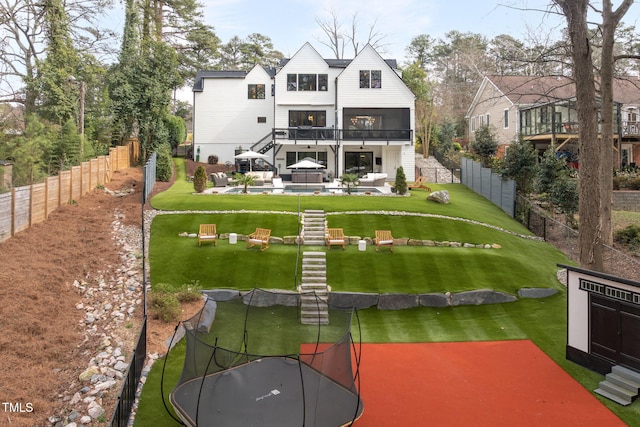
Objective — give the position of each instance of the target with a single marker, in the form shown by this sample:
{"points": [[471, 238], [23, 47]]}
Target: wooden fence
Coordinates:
{"points": [[24, 206]]}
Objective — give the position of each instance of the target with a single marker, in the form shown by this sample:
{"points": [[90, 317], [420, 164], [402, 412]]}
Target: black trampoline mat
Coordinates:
{"points": [[266, 392]]}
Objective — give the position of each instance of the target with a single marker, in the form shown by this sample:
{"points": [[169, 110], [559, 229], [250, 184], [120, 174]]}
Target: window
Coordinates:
{"points": [[307, 118], [488, 124], [473, 124], [262, 119], [308, 82], [506, 119], [376, 79], [370, 79], [292, 82], [481, 121], [256, 91], [296, 156], [323, 82]]}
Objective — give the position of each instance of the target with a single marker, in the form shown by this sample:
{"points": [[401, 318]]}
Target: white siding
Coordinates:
{"points": [[224, 117], [305, 61]]}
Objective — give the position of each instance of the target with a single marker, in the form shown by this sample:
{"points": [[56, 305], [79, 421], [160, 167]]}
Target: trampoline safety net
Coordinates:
{"points": [[250, 362]]}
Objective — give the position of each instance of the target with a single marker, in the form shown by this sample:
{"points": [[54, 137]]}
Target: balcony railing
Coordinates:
{"points": [[328, 134]]}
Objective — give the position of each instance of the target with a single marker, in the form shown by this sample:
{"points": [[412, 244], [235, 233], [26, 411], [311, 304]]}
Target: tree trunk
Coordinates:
{"points": [[589, 236]]}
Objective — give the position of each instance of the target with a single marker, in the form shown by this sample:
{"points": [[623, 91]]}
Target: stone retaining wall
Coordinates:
{"points": [[626, 201], [391, 301]]}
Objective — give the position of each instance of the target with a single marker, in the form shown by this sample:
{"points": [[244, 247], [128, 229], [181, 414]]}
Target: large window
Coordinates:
{"points": [[307, 118], [307, 82], [256, 91], [377, 123], [316, 156], [358, 162], [370, 79]]}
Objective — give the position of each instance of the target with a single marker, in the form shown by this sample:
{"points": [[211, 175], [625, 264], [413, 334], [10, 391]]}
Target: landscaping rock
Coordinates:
{"points": [[397, 301], [481, 296], [358, 300], [222, 294], [433, 300], [441, 197], [536, 292], [267, 299]]}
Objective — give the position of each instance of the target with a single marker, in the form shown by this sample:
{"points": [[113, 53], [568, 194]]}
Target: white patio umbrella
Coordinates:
{"points": [[250, 155], [306, 164]]}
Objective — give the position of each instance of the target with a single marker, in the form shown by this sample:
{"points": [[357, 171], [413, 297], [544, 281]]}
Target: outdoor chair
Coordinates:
{"points": [[419, 183], [259, 237], [335, 236], [207, 234], [384, 238]]}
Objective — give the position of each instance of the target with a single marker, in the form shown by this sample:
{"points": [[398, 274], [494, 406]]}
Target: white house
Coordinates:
{"points": [[353, 116]]}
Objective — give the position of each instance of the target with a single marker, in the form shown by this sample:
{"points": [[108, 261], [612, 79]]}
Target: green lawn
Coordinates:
{"points": [[520, 262]]}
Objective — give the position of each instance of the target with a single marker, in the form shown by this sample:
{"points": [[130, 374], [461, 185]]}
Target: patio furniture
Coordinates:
{"points": [[335, 236], [278, 186], [259, 237], [384, 238], [373, 180], [207, 234], [419, 183], [219, 179]]}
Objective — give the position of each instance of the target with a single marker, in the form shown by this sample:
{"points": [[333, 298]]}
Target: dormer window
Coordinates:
{"points": [[370, 79], [307, 82]]}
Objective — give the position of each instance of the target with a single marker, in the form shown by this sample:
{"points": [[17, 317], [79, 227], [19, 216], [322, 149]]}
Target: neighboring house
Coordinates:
{"points": [[543, 110], [353, 116]]}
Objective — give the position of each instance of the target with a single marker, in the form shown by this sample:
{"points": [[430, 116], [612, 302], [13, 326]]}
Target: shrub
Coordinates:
{"points": [[212, 159], [164, 306], [200, 179], [629, 236], [164, 163], [401, 181], [564, 195], [189, 293]]}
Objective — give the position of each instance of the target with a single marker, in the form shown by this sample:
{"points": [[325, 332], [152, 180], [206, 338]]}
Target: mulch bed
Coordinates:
{"points": [[493, 383]]}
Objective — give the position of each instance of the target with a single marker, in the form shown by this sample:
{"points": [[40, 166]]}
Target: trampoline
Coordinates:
{"points": [[239, 369]]}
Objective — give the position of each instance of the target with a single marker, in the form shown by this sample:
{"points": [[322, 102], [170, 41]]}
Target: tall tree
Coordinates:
{"points": [[337, 35], [595, 155], [415, 78], [610, 21]]}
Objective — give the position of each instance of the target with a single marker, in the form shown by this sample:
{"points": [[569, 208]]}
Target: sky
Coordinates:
{"points": [[291, 23]]}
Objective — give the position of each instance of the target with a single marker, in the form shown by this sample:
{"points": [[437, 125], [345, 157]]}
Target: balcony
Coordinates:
{"points": [[308, 133]]}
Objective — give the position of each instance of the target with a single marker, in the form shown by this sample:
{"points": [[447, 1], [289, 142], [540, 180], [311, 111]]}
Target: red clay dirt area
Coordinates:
{"points": [[41, 343], [490, 383]]}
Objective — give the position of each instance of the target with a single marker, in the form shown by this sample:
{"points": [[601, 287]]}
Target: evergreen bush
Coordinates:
{"points": [[200, 179], [164, 163], [401, 181]]}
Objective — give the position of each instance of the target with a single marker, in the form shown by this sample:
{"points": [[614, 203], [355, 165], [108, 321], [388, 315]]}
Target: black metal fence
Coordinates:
{"points": [[127, 396], [541, 222]]}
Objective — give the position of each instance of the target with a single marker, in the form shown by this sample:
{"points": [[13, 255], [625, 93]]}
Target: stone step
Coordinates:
{"points": [[313, 272], [624, 382], [312, 280], [311, 254], [612, 396], [615, 393], [626, 373]]}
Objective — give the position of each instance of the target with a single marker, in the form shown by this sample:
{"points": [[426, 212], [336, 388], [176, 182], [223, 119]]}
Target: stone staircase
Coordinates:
{"points": [[314, 292], [621, 385], [313, 228]]}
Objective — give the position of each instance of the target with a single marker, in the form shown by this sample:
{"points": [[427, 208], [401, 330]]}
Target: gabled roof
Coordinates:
{"points": [[224, 74], [535, 90], [341, 63], [528, 90]]}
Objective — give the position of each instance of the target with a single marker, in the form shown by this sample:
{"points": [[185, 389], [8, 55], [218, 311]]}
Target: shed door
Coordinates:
{"points": [[615, 331]]}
